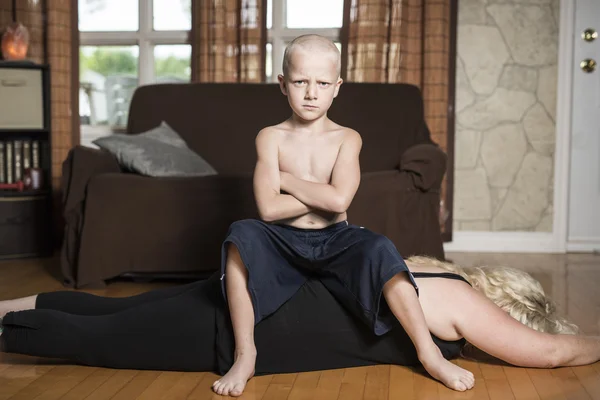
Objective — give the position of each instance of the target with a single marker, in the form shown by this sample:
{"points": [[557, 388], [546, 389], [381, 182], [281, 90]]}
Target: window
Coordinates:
{"points": [[126, 44], [287, 19]]}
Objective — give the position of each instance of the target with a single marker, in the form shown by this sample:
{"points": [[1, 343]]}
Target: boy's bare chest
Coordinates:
{"points": [[309, 160]]}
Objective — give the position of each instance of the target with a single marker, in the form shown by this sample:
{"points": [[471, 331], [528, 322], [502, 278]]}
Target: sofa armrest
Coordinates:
{"points": [[81, 165], [426, 166], [388, 203], [139, 224]]}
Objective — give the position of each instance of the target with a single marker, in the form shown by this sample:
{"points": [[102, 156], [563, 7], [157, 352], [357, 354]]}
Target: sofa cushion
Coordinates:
{"points": [[158, 152]]}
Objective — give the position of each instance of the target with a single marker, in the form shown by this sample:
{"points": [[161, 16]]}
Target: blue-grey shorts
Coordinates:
{"points": [[353, 262]]}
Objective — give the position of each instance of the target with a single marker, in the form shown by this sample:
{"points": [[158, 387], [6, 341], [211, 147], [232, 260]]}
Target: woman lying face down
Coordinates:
{"points": [[501, 311]]}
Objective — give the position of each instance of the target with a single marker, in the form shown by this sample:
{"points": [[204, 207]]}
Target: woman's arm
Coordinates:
{"points": [[489, 328]]}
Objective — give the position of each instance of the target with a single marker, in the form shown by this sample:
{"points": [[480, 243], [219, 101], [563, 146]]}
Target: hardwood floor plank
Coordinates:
{"points": [[545, 385], [113, 384], [377, 383], [184, 386], [521, 384], [16, 377], [203, 390], [329, 384], [424, 387], [589, 379], [305, 386], [569, 384], [87, 386], [401, 383], [496, 382], [136, 386], [51, 387], [353, 383], [256, 388], [160, 385]]}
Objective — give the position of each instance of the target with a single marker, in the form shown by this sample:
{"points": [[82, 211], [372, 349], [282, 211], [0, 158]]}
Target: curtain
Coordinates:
{"points": [[228, 40], [407, 41]]}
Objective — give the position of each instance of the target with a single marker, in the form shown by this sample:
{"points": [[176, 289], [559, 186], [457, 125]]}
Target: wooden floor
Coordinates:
{"points": [[572, 280]]}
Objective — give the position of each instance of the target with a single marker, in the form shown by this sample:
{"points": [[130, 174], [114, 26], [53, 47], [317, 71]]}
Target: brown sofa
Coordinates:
{"points": [[123, 223]]}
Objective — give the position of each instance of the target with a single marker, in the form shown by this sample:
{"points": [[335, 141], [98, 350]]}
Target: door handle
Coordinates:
{"points": [[588, 65]]}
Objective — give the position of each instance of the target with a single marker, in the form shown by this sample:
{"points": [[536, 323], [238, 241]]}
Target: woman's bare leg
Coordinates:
{"points": [[22, 304], [242, 319], [404, 303]]}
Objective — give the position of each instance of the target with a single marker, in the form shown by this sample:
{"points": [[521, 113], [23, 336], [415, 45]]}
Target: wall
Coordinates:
{"points": [[505, 115]]}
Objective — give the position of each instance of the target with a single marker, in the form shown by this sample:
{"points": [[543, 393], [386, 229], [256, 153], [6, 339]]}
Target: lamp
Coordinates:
{"points": [[15, 40]]}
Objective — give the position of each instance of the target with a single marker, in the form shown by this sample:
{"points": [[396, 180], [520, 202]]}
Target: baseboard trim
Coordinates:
{"points": [[584, 245], [504, 242]]}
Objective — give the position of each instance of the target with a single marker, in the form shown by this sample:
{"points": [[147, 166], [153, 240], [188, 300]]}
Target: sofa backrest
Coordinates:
{"points": [[221, 120]]}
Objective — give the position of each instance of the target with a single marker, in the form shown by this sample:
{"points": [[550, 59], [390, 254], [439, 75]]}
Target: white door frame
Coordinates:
{"points": [[564, 97], [541, 242]]}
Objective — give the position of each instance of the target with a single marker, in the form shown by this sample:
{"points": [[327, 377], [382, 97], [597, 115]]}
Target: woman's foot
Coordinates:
{"points": [[234, 381], [451, 375]]}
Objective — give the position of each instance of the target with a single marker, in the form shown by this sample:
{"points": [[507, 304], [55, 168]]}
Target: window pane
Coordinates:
{"points": [[172, 63], [314, 13], [108, 15], [269, 14], [172, 15], [269, 62], [108, 76]]}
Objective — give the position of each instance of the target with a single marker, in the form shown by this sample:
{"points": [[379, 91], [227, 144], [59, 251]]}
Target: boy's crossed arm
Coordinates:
{"points": [[304, 196], [272, 205], [345, 178]]}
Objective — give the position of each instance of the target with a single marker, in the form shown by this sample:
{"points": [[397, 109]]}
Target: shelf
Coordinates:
{"points": [[21, 132], [14, 195]]}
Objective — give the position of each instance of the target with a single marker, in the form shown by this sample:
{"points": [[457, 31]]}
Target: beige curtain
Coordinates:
{"points": [[407, 41], [228, 40]]}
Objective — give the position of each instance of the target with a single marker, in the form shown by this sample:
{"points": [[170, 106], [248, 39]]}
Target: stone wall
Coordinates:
{"points": [[505, 115]]}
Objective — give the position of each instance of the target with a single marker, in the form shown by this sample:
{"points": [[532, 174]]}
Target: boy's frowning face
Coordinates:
{"points": [[312, 82]]}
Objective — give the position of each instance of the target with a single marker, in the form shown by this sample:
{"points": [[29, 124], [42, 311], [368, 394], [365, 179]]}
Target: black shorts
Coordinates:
{"points": [[353, 262]]}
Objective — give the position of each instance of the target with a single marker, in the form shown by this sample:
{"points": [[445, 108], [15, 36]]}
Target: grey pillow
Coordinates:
{"points": [[158, 152], [164, 133]]}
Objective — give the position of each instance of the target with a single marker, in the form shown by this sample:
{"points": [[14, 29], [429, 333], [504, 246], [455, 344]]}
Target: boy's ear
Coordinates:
{"points": [[337, 87], [282, 86]]}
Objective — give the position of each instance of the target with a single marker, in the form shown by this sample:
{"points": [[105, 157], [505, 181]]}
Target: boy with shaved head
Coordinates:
{"points": [[306, 175]]}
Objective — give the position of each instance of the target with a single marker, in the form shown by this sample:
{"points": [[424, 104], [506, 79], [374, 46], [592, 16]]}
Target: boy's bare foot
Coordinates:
{"points": [[451, 375], [234, 381]]}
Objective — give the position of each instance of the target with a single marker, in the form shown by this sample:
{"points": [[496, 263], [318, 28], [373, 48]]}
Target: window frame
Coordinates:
{"points": [[145, 38], [279, 35]]}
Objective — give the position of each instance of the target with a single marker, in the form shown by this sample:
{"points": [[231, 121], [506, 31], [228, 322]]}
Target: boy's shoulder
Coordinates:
{"points": [[269, 132]]}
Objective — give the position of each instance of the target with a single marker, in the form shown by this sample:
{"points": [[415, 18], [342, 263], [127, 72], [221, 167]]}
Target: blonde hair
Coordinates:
{"points": [[513, 290], [311, 42]]}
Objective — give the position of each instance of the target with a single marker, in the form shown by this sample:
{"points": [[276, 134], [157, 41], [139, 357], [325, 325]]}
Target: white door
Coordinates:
{"points": [[584, 173]]}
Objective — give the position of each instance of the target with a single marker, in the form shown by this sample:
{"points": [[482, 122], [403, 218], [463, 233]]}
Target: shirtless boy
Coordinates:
{"points": [[306, 176]]}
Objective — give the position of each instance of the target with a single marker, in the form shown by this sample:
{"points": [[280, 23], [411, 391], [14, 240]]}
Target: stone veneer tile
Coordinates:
{"points": [[472, 12], [502, 106], [546, 93], [519, 1], [545, 225], [464, 93], [479, 226], [540, 130], [502, 152], [467, 148], [517, 77], [498, 195], [472, 195], [529, 32], [483, 62], [528, 197]]}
